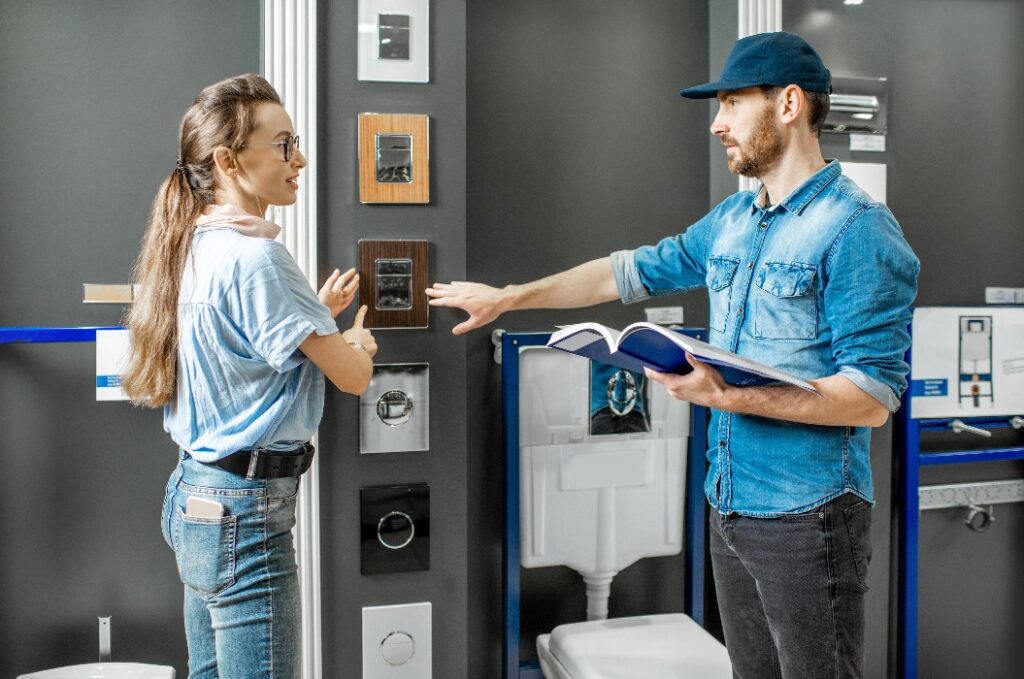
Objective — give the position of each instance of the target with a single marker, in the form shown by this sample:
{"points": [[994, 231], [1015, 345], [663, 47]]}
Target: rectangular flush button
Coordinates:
{"points": [[394, 283], [393, 36], [394, 158]]}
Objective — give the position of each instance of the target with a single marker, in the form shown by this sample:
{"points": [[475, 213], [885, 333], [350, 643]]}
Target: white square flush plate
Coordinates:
{"points": [[397, 641]]}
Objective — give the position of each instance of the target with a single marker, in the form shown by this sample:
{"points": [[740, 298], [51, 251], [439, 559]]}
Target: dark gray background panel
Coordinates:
{"points": [[578, 144], [343, 221], [952, 149], [91, 95]]}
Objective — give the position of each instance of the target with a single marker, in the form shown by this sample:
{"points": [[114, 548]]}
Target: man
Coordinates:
{"points": [[806, 274]]}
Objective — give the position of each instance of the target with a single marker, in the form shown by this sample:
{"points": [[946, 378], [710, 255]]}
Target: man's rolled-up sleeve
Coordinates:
{"points": [[627, 278], [870, 283], [675, 264]]}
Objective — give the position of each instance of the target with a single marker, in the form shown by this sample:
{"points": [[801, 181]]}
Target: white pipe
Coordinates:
{"points": [[757, 16], [289, 61], [104, 639], [599, 583], [598, 592]]}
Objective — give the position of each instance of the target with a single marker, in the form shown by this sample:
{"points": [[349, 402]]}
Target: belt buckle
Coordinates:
{"points": [[254, 455]]}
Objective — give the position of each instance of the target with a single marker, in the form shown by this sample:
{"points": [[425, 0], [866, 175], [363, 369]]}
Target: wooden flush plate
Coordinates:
{"points": [[392, 279], [394, 158]]}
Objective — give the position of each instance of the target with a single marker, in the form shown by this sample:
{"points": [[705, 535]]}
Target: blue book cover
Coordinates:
{"points": [[664, 350]]}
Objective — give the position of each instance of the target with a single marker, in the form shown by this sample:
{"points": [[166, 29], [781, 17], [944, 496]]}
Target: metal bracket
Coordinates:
{"points": [[971, 494], [496, 336], [958, 426], [104, 639], [980, 519]]}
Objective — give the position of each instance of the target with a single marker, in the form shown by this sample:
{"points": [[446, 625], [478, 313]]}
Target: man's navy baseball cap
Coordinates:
{"points": [[778, 59]]}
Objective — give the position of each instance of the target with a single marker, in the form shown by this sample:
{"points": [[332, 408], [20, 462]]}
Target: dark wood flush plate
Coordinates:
{"points": [[418, 251]]}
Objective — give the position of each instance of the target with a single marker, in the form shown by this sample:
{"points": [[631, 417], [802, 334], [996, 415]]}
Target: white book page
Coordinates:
{"points": [[574, 337]]}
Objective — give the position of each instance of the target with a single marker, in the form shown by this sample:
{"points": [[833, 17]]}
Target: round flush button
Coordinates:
{"points": [[394, 407], [397, 648], [395, 530]]}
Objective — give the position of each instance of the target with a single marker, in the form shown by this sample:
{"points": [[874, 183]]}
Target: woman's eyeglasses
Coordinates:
{"points": [[288, 146]]}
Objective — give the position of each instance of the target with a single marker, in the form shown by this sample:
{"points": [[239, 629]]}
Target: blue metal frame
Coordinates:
{"points": [[695, 528], [50, 335], [912, 458]]}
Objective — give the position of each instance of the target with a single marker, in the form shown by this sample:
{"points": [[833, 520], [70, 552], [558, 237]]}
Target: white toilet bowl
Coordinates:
{"points": [[670, 646], [108, 670]]}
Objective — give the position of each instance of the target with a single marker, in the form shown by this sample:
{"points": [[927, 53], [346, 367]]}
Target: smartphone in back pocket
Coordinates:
{"points": [[203, 508]]}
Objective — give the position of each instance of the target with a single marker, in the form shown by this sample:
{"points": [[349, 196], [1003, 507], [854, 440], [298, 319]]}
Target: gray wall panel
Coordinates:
{"points": [[91, 95], [953, 142], [578, 144], [343, 221]]}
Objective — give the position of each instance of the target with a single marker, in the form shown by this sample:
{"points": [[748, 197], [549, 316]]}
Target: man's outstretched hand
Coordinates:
{"points": [[482, 302]]}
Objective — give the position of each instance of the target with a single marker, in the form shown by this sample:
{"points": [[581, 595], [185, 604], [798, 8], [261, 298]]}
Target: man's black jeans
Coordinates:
{"points": [[791, 590]]}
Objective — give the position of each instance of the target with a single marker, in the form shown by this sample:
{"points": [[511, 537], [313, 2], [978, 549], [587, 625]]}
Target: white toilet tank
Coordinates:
{"points": [[109, 670], [596, 502], [600, 507]]}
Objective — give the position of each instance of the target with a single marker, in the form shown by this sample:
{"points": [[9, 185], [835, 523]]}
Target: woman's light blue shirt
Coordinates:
{"points": [[243, 310]]}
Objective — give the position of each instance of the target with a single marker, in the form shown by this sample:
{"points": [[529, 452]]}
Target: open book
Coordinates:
{"points": [[664, 350]]}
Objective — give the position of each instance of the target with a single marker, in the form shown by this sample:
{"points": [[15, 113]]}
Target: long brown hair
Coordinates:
{"points": [[224, 114]]}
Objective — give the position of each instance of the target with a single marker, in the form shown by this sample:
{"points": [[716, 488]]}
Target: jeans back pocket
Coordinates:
{"points": [[205, 551], [786, 306]]}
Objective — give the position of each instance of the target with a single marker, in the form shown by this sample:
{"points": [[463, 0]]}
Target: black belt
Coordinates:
{"points": [[260, 463]]}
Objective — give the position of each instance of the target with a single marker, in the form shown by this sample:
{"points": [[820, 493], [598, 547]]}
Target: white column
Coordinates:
{"points": [[289, 63], [757, 16]]}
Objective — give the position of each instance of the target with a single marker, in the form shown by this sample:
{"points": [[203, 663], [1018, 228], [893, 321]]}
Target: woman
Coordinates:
{"points": [[230, 339]]}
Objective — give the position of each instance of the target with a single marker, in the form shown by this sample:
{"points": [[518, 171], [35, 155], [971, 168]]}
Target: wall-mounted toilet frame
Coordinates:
{"points": [[694, 529]]}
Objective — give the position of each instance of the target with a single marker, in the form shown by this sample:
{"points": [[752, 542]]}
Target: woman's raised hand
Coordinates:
{"points": [[360, 335], [339, 290]]}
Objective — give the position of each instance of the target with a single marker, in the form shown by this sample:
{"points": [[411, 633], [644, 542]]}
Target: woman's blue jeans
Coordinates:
{"points": [[239, 571]]}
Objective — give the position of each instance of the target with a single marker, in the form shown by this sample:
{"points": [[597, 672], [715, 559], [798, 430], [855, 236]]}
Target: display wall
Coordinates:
{"points": [[344, 220], [549, 146]]}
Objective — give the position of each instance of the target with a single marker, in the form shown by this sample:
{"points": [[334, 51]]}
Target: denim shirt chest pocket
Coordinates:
{"points": [[721, 271], [786, 302]]}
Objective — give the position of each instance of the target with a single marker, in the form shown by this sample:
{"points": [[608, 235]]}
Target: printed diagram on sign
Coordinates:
{"points": [[975, 361], [967, 362]]}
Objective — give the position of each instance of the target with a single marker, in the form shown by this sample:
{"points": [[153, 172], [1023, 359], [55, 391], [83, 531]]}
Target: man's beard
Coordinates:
{"points": [[764, 148]]}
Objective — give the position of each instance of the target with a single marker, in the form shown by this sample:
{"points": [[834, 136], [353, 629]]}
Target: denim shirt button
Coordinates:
{"points": [[764, 225], [750, 265]]}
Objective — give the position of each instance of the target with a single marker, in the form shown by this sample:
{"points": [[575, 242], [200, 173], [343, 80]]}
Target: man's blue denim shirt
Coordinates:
{"points": [[818, 285]]}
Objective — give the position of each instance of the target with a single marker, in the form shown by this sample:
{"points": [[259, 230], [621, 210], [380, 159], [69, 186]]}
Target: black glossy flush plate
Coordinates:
{"points": [[395, 529]]}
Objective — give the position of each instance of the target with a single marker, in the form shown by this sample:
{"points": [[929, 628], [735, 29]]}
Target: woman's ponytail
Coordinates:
{"points": [[224, 114]]}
